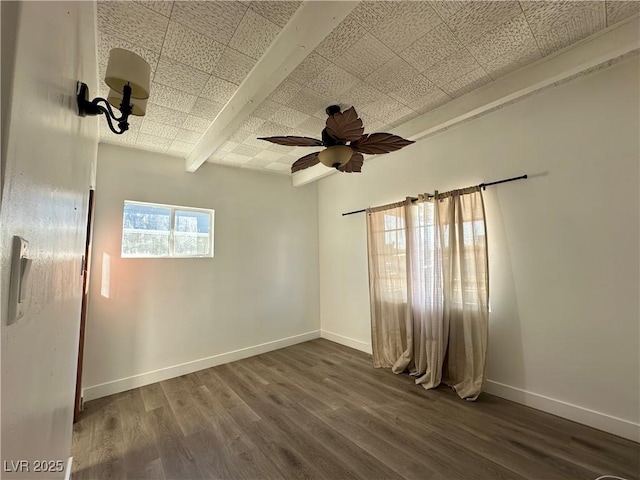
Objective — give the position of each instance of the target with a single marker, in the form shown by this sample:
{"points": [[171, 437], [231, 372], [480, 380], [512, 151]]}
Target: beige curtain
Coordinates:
{"points": [[386, 243], [428, 280]]}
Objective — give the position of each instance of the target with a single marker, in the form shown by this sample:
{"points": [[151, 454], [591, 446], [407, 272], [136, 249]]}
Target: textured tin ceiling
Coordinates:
{"points": [[392, 60]]}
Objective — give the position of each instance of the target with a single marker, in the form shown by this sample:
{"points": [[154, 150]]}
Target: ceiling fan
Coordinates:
{"points": [[345, 140]]}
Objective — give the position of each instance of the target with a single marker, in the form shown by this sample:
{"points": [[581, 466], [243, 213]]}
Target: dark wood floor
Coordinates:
{"points": [[319, 410]]}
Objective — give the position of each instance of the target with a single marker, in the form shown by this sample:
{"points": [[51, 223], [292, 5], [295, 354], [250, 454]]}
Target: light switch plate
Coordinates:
{"points": [[20, 269]]}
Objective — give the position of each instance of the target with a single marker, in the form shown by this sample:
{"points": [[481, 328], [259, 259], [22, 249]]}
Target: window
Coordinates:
{"points": [[396, 257], [153, 230], [431, 246]]}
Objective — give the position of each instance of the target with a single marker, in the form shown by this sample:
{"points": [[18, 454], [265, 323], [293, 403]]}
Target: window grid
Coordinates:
{"points": [[171, 248], [393, 231]]}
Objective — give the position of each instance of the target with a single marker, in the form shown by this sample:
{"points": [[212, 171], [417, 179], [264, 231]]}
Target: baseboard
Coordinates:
{"points": [[349, 342], [591, 418], [140, 380], [601, 421]]}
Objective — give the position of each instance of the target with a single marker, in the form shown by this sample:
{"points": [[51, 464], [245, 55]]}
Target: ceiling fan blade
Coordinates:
{"points": [[294, 141], [345, 126], [380, 143], [353, 165], [305, 162]]}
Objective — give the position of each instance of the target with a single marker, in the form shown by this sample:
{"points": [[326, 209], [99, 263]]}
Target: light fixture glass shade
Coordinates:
{"points": [[335, 156], [139, 105], [127, 67]]}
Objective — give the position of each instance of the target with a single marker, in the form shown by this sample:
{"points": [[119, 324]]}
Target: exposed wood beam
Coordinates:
{"points": [[608, 44], [308, 26], [311, 174], [593, 51]]}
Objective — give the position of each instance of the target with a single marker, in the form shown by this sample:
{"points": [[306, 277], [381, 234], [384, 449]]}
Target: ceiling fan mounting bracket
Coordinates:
{"points": [[332, 109]]}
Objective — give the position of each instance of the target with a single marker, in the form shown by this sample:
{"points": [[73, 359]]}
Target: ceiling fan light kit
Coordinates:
{"points": [[345, 142], [336, 156]]}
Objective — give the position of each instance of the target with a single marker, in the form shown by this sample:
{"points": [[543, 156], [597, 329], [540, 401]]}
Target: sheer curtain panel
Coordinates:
{"points": [[390, 320], [428, 279]]}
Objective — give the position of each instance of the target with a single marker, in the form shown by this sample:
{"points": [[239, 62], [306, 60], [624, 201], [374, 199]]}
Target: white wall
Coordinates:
{"points": [[48, 161], [261, 286], [563, 245]]}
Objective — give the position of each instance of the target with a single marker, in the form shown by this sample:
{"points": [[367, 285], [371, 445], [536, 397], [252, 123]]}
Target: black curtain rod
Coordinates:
{"points": [[482, 185]]}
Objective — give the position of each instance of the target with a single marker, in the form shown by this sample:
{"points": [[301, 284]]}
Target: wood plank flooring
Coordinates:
{"points": [[319, 410]]}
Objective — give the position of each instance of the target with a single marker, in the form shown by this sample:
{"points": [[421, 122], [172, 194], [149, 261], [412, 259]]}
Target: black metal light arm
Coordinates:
{"points": [[93, 107], [108, 112]]}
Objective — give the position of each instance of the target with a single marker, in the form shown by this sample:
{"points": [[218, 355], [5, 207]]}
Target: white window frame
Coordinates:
{"points": [[173, 209]]}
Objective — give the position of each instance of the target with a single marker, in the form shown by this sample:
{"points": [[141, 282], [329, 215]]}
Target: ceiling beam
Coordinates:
{"points": [[601, 47], [308, 26]]}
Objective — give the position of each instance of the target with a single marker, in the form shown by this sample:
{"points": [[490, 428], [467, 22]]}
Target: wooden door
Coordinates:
{"points": [[83, 308]]}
